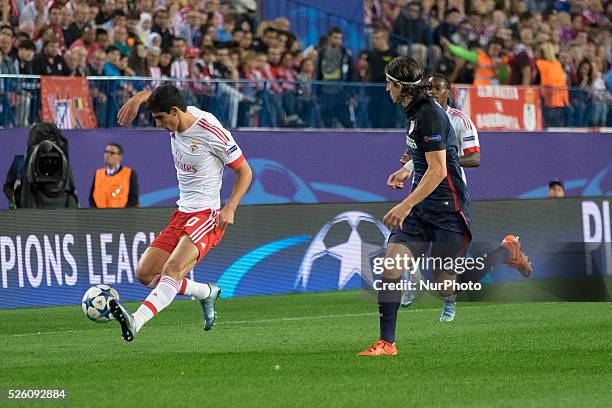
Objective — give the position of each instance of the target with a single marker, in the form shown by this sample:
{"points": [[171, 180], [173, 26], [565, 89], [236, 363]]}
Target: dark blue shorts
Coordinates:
{"points": [[446, 233]]}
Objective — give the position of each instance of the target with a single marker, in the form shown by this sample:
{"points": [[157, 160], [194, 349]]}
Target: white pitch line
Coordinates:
{"points": [[279, 319]]}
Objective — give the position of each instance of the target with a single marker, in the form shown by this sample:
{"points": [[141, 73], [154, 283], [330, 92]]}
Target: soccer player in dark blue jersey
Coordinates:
{"points": [[436, 213]]}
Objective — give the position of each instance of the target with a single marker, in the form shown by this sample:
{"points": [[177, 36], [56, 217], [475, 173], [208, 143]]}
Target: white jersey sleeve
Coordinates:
{"points": [[469, 140], [466, 132]]}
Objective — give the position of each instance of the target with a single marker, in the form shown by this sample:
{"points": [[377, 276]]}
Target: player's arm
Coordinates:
{"points": [[470, 160], [405, 157], [129, 110], [244, 175], [435, 173], [397, 180], [469, 144]]}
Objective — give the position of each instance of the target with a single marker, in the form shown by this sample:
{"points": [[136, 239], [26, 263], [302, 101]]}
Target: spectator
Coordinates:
{"points": [[152, 69], [96, 66], [581, 93], [119, 19], [556, 189], [601, 98], [123, 6], [50, 62], [87, 41], [34, 11], [66, 20], [54, 23], [227, 67], [7, 65], [113, 60], [154, 41], [103, 41], [98, 89], [246, 42], [363, 68], [412, 27], [381, 109], [144, 28], [209, 67], [9, 13], [265, 37], [180, 66], [120, 40], [131, 25], [114, 185], [137, 60], [306, 107], [554, 83], [449, 26], [522, 59], [490, 67], [25, 56], [76, 58], [24, 116], [165, 62], [106, 12], [81, 20], [94, 9], [27, 29], [224, 33], [6, 43], [176, 18], [161, 26], [192, 29], [335, 64]]}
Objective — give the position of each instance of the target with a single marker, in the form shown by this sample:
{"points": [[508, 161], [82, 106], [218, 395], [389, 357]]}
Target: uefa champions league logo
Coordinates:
{"points": [[363, 240]]}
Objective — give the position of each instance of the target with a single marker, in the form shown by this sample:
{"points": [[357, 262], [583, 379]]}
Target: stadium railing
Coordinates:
{"points": [[271, 104]]}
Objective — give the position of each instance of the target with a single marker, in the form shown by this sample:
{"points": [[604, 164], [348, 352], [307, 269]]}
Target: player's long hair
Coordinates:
{"points": [[409, 74]]}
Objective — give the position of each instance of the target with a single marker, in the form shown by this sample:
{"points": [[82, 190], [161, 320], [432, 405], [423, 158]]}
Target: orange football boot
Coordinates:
{"points": [[380, 348], [518, 260]]}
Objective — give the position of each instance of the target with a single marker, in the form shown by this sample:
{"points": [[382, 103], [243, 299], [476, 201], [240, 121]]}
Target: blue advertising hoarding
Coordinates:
{"points": [[51, 257]]}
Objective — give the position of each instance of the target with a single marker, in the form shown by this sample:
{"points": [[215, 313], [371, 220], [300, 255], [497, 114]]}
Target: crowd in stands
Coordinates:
{"points": [[553, 43]]}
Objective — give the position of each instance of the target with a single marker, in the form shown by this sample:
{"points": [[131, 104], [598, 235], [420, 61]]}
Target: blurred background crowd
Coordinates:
{"points": [[565, 45]]}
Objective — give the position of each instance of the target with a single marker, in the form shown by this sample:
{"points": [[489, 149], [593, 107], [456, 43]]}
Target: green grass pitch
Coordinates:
{"points": [[300, 350]]}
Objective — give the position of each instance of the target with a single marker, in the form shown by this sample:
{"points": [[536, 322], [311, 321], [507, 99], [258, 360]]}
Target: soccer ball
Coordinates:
{"points": [[95, 303]]}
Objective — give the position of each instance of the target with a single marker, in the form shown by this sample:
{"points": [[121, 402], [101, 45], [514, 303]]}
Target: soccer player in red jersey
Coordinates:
{"points": [[201, 147]]}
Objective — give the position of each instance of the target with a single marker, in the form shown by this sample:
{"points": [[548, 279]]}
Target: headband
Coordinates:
{"points": [[402, 82]]}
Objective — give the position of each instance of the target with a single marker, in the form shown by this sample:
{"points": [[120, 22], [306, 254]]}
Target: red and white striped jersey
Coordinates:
{"points": [[465, 130], [200, 153], [467, 135]]}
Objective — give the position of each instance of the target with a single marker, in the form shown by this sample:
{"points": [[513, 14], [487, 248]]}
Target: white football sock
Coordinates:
{"points": [[199, 291], [158, 300]]}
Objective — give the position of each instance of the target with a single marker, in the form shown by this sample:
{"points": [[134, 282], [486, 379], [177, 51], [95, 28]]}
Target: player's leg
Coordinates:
{"points": [[448, 294], [181, 261], [449, 245], [508, 252], [408, 295], [389, 302], [149, 272], [150, 264]]}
